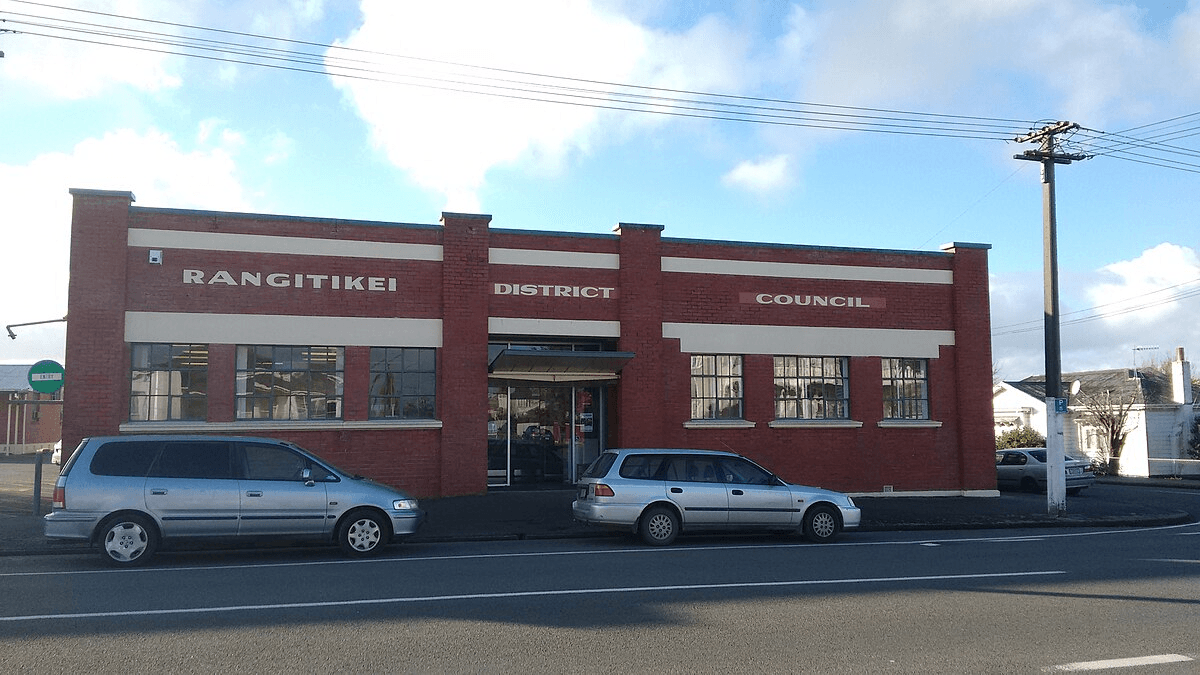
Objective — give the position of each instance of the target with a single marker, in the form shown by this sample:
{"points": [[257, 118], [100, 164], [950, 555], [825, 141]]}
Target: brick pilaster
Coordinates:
{"points": [[462, 368], [973, 366], [642, 398], [97, 357]]}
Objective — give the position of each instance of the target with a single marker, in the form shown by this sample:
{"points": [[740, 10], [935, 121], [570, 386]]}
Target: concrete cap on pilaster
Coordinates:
{"points": [[81, 192], [958, 244], [636, 226]]}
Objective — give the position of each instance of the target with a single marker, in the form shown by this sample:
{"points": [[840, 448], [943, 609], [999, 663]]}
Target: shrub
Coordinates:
{"points": [[1021, 437]]}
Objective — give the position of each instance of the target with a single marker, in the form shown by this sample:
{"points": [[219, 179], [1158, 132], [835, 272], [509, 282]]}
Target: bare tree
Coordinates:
{"points": [[1109, 412]]}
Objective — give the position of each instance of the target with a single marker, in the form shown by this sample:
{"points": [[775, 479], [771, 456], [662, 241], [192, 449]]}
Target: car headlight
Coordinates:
{"points": [[404, 504]]}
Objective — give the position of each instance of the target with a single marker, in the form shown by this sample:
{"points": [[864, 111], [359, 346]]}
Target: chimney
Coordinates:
{"points": [[1181, 379]]}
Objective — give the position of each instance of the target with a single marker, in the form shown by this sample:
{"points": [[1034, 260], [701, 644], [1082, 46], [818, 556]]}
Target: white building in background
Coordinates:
{"points": [[1160, 423]]}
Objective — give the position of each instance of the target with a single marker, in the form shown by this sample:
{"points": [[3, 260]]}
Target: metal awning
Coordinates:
{"points": [[557, 365]]}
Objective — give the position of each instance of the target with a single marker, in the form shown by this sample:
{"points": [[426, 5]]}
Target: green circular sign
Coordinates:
{"points": [[46, 376]]}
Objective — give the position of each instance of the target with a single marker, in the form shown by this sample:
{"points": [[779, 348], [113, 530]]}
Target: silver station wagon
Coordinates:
{"points": [[129, 494], [659, 493]]}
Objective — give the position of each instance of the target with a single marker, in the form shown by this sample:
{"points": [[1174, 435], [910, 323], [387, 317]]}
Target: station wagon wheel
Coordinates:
{"points": [[659, 526], [362, 533], [821, 524], [128, 540]]}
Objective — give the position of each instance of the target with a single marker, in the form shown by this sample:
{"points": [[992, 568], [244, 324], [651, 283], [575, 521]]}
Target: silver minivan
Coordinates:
{"points": [[129, 494], [658, 493]]}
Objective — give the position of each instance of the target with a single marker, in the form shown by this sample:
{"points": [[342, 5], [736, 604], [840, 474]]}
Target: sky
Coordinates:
{"points": [[576, 115]]}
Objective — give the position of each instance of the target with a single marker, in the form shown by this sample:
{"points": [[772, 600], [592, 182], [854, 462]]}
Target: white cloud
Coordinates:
{"points": [[75, 67], [1098, 60], [38, 215], [1150, 299], [447, 141], [1144, 288], [760, 177], [280, 148]]}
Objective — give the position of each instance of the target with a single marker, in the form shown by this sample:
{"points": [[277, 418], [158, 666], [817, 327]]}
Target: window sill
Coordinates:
{"points": [[719, 424], [255, 426], [814, 424], [909, 424]]}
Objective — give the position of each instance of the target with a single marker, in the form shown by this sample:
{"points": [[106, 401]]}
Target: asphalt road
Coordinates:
{"points": [[1007, 601]]}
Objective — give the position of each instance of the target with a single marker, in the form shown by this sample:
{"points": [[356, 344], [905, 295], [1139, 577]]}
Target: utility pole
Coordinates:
{"points": [[1056, 478]]}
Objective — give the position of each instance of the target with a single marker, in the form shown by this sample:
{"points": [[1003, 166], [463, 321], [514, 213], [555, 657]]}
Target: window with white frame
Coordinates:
{"points": [[289, 383], [812, 387], [716, 386], [168, 382], [906, 389]]}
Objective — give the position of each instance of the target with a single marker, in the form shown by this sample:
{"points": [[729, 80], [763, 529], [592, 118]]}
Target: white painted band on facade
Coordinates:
{"points": [[544, 258], [261, 243], [755, 268], [554, 327], [280, 329], [709, 338]]}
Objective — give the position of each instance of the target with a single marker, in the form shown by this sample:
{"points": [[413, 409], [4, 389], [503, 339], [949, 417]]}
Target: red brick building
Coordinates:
{"points": [[447, 359], [32, 420]]}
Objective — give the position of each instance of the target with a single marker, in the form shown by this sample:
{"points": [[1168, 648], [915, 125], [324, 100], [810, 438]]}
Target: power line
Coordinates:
{"points": [[1033, 325], [541, 88], [456, 77]]}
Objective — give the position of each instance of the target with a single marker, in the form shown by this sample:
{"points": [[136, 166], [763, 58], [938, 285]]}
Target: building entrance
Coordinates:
{"points": [[542, 435]]}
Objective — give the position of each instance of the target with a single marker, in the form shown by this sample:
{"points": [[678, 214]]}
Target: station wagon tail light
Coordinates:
{"points": [[60, 497], [603, 490]]}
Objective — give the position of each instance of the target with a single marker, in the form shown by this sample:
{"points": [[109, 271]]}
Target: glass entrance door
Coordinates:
{"points": [[541, 435]]}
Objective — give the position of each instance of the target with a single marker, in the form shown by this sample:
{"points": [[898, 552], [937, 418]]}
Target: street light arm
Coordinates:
{"points": [[11, 326]]}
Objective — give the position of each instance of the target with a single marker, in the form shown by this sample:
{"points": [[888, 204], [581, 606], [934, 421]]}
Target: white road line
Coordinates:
{"points": [[1118, 663], [520, 594]]}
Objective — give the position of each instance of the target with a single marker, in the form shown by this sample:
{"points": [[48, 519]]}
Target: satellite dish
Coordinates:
{"points": [[1075, 388]]}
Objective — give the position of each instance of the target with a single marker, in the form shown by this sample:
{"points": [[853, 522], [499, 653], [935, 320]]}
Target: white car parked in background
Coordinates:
{"points": [[1025, 469]]}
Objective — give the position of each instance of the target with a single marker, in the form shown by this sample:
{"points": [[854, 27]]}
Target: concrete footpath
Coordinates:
{"points": [[546, 514]]}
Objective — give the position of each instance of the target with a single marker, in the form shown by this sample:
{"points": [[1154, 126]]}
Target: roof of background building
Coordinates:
{"points": [[15, 377], [1146, 386]]}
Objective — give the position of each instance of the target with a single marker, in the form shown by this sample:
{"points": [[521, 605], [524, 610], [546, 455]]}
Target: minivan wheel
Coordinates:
{"points": [[659, 526], [128, 540], [362, 533], [821, 524]]}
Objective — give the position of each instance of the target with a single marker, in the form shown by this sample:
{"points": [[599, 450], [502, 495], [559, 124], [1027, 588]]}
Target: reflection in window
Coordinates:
{"points": [[905, 389], [716, 386], [289, 383], [403, 383], [812, 387], [168, 382]]}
